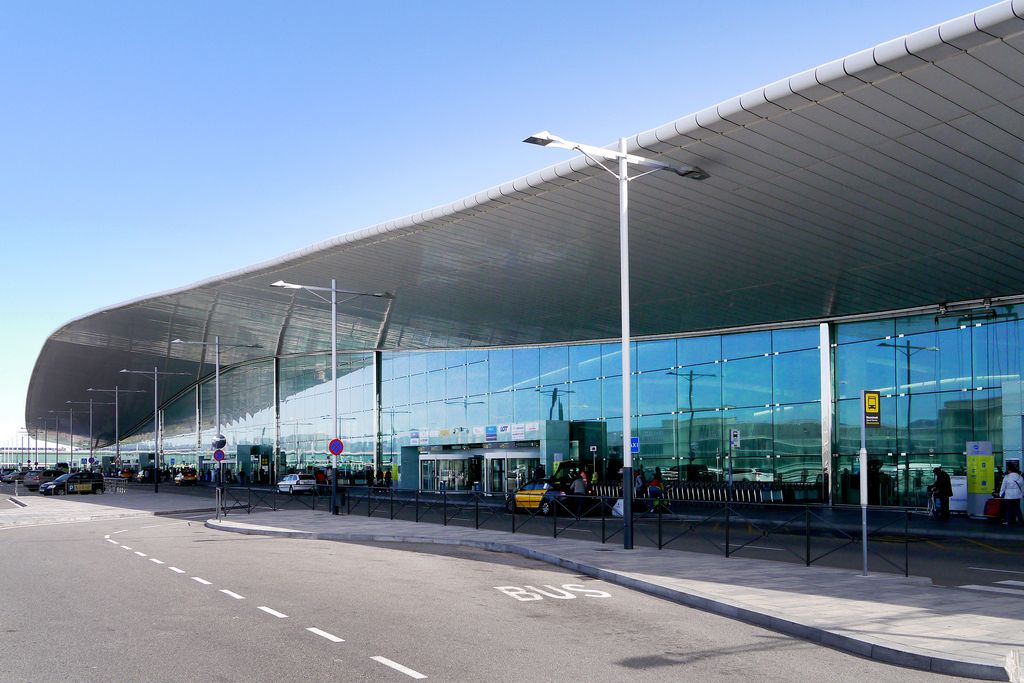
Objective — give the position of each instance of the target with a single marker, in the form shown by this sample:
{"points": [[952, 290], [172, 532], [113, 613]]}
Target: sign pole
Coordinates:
{"points": [[872, 417]]}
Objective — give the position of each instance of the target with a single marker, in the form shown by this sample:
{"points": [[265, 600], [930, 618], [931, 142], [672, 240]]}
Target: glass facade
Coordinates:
{"points": [[944, 379]]}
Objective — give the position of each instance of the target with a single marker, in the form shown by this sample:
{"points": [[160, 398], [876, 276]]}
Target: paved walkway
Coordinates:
{"points": [[908, 622]]}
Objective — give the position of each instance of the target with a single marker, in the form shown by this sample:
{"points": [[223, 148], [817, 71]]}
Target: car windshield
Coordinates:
{"points": [[306, 477], [62, 478]]}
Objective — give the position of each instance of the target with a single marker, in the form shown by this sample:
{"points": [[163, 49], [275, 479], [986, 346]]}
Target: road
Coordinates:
{"points": [[165, 599]]}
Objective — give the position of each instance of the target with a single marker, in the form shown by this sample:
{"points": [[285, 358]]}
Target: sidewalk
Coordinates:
{"points": [[907, 622], [31, 508]]}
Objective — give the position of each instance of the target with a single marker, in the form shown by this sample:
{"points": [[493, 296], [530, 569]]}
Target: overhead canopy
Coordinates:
{"points": [[888, 179]]}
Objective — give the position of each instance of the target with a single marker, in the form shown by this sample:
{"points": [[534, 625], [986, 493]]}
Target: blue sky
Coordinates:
{"points": [[148, 145]]}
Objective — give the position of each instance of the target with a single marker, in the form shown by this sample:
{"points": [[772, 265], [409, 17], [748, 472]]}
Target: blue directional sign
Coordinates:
{"points": [[634, 444]]}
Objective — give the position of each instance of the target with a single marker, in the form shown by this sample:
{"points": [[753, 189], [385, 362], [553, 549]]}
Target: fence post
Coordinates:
{"points": [[906, 543], [392, 492], [513, 512], [444, 505], [659, 527], [727, 528], [476, 498], [369, 494], [554, 517], [603, 505], [807, 534]]}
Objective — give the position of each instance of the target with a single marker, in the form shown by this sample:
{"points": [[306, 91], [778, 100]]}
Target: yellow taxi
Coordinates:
{"points": [[538, 496]]}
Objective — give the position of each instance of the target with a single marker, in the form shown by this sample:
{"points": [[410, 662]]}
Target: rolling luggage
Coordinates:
{"points": [[994, 508]]}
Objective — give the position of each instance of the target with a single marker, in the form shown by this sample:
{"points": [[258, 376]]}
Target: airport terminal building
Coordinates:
{"points": [[862, 228]]}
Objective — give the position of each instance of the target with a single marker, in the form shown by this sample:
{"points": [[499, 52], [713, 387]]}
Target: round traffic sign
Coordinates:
{"points": [[92, 460], [218, 455], [336, 447]]}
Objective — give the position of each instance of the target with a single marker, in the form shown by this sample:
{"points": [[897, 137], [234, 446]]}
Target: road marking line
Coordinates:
{"points": [[202, 581], [107, 536], [325, 634], [986, 546], [1001, 571], [236, 596], [763, 547], [110, 540], [995, 589], [1010, 583], [126, 547], [176, 570], [398, 667], [273, 612], [115, 533], [140, 554], [936, 545], [153, 559], [151, 526]]}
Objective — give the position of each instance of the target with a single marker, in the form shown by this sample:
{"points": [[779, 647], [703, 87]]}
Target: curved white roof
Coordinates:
{"points": [[888, 179]]}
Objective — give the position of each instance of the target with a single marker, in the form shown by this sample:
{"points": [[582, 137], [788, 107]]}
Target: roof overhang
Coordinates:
{"points": [[886, 180]]}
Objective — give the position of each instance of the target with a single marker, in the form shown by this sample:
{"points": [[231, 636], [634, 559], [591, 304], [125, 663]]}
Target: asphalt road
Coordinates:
{"points": [[164, 599]]}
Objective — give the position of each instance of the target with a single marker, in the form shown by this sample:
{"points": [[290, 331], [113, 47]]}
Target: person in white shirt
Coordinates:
{"points": [[1012, 490]]}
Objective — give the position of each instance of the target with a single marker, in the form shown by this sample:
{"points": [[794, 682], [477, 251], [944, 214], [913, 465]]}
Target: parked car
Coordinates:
{"points": [[17, 475], [187, 477], [540, 496], [36, 478], [77, 482], [297, 483]]}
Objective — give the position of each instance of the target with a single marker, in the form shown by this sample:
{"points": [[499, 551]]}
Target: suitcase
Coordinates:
{"points": [[994, 508]]}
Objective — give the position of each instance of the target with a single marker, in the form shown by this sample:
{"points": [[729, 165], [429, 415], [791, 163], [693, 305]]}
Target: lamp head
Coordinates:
{"points": [[285, 285], [543, 138]]}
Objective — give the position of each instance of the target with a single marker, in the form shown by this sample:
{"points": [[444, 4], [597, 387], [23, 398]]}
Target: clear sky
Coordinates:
{"points": [[148, 145]]}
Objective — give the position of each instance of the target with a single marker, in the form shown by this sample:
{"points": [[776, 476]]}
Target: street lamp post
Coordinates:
{"points": [[333, 301], [117, 391], [155, 374], [219, 440], [71, 434], [596, 154], [89, 403]]}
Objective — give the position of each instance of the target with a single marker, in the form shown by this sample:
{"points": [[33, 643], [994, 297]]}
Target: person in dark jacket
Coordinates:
{"points": [[943, 490]]}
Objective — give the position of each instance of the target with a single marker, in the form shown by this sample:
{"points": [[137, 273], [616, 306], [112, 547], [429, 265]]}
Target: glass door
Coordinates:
{"points": [[495, 475]]}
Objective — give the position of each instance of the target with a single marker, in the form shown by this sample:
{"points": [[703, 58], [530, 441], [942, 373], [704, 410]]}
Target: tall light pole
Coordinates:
{"points": [[596, 154], [71, 434], [333, 301], [117, 391], [46, 437], [92, 439], [219, 441], [155, 374]]}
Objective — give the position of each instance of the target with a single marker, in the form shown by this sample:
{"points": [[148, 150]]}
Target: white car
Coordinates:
{"points": [[297, 483]]}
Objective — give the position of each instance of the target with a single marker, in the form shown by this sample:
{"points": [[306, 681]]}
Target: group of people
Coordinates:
{"points": [[1011, 491]]}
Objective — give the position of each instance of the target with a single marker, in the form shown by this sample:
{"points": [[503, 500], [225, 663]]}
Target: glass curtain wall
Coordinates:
{"points": [[944, 379]]}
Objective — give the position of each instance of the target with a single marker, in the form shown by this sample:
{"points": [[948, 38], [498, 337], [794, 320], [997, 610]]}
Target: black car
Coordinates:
{"points": [[79, 482]]}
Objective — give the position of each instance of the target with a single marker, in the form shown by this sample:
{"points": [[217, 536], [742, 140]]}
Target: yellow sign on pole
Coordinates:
{"points": [[872, 409]]}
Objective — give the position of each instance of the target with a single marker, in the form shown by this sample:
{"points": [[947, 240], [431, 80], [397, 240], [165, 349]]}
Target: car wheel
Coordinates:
{"points": [[291, 491]]}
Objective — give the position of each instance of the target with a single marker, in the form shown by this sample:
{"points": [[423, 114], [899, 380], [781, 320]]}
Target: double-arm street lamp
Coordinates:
{"points": [[624, 159], [71, 433], [46, 436], [89, 403], [219, 441], [117, 391], [333, 301], [155, 374]]}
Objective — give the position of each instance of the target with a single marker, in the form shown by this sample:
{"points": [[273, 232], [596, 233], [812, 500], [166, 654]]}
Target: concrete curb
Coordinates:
{"points": [[860, 647]]}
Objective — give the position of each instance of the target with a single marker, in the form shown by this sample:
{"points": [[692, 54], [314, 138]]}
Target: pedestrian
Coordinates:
{"points": [[579, 491], [942, 488], [1011, 491], [387, 477]]}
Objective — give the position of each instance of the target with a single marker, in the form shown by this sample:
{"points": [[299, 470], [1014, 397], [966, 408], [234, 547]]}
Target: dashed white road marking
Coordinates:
{"points": [[176, 570], [273, 612], [115, 533], [110, 540], [1001, 571], [140, 554], [153, 559], [398, 667], [126, 547], [325, 634], [202, 581], [151, 526], [234, 595], [107, 536]]}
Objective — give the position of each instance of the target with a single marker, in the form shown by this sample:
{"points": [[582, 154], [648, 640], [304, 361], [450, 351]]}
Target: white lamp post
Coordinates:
{"points": [[155, 374], [333, 301], [117, 391], [596, 154]]}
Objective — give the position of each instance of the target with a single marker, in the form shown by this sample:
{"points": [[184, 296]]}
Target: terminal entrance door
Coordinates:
{"points": [[507, 470]]}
